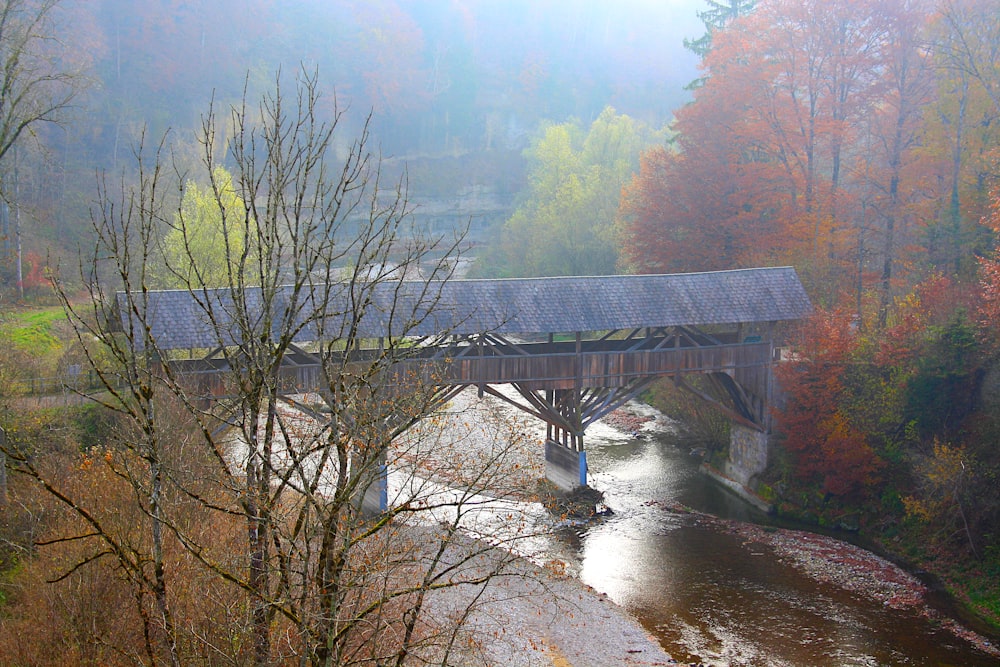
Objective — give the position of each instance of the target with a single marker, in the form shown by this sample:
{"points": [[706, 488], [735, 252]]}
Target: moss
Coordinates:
{"points": [[766, 493], [33, 331]]}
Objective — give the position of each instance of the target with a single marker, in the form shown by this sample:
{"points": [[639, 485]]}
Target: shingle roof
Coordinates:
{"points": [[530, 305]]}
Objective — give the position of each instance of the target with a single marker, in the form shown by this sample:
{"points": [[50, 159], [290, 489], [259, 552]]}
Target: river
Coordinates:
{"points": [[712, 597]]}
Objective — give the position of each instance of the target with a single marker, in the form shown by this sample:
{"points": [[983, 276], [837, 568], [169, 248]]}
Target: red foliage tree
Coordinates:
{"points": [[989, 310], [35, 277], [826, 448]]}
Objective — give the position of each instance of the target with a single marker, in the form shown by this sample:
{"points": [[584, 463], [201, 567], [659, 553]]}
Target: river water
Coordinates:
{"points": [[714, 598]]}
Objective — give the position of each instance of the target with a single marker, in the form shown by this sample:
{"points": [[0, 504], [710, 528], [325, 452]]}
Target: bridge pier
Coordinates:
{"points": [[565, 467], [375, 499], [373, 492], [748, 451]]}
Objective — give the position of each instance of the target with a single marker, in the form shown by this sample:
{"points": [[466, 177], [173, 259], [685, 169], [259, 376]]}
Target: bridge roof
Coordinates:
{"points": [[527, 305]]}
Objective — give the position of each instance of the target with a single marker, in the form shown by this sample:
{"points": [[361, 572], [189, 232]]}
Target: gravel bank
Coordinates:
{"points": [[536, 617], [540, 616], [846, 566]]}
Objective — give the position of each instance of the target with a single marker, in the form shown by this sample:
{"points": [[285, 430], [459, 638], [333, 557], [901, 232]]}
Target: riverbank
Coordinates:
{"points": [[544, 617], [853, 571], [844, 565], [830, 561]]}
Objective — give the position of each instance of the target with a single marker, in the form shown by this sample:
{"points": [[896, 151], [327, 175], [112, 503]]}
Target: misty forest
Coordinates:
{"points": [[304, 152]]}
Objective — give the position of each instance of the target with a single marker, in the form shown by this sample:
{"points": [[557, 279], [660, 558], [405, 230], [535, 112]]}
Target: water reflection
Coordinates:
{"points": [[709, 596]]}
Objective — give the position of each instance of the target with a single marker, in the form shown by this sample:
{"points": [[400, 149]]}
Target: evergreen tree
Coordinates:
{"points": [[716, 17]]}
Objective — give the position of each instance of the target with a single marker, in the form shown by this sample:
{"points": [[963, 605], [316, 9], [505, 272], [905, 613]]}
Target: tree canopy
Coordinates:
{"points": [[566, 225], [205, 242], [821, 140]]}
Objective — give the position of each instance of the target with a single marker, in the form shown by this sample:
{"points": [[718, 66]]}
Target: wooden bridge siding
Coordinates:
{"points": [[564, 370], [747, 362], [753, 379], [601, 369]]}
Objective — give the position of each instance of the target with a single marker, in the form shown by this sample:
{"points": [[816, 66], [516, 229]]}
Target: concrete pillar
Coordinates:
{"points": [[375, 499], [564, 467], [748, 452], [374, 487]]}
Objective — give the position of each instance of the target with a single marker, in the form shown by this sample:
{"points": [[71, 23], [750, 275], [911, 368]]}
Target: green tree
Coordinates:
{"points": [[715, 18], [566, 226], [206, 239], [943, 390]]}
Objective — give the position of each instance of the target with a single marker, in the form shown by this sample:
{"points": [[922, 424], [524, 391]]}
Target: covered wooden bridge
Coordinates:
{"points": [[573, 348]]}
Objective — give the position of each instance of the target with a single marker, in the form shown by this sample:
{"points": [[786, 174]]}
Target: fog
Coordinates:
{"points": [[439, 76]]}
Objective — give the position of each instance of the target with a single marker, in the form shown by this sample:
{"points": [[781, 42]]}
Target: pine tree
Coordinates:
{"points": [[715, 18]]}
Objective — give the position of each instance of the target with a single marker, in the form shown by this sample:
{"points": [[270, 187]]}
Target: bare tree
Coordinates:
{"points": [[35, 85], [965, 43], [971, 43], [322, 267], [908, 84], [126, 233]]}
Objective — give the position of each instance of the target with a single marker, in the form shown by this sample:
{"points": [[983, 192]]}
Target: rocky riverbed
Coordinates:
{"points": [[554, 619]]}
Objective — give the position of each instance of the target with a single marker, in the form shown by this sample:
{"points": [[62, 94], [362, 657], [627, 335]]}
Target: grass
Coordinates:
{"points": [[33, 331], [977, 583]]}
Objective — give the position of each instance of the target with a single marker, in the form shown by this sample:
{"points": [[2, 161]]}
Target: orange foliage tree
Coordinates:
{"points": [[693, 209], [800, 148]]}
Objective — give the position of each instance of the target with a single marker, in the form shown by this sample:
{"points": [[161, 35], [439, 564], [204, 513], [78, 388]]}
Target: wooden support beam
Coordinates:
{"points": [[533, 405], [733, 414]]}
